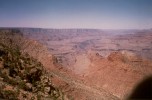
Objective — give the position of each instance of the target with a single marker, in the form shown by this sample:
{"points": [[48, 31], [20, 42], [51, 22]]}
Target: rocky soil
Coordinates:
{"points": [[21, 76]]}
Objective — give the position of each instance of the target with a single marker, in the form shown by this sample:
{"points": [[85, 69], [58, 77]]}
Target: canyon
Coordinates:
{"points": [[87, 64]]}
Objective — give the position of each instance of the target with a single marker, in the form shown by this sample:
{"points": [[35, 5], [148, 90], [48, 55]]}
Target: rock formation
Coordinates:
{"points": [[21, 75]]}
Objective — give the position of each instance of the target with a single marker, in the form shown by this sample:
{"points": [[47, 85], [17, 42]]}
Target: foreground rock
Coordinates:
{"points": [[22, 77]]}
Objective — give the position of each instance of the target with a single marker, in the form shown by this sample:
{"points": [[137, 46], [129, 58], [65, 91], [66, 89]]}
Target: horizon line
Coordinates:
{"points": [[82, 28]]}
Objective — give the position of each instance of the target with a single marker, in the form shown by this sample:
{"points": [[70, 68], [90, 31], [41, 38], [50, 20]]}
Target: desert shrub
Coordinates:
{"points": [[9, 94], [20, 69], [22, 85]]}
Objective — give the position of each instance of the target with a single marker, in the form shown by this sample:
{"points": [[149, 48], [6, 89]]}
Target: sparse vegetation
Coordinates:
{"points": [[24, 75]]}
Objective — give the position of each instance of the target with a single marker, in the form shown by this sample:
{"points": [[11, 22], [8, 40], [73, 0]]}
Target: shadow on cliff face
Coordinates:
{"points": [[143, 91]]}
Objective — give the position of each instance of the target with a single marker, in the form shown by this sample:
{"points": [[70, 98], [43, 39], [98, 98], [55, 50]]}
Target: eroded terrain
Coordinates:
{"points": [[91, 64]]}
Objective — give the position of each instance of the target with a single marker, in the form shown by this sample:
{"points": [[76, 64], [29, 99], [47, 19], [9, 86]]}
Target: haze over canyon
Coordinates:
{"points": [[75, 49]]}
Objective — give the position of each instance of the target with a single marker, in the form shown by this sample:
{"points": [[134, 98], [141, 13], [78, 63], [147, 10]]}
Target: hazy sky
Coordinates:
{"points": [[109, 14]]}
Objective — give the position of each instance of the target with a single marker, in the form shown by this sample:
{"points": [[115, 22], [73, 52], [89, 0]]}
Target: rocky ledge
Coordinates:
{"points": [[24, 78]]}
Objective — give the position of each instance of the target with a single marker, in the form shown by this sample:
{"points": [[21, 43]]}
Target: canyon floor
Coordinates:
{"points": [[87, 64]]}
